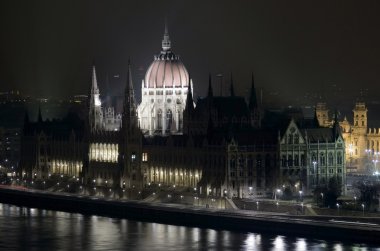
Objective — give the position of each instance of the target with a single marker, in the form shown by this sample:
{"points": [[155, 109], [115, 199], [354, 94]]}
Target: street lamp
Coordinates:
{"points": [[315, 180], [275, 194], [337, 206], [322, 199], [374, 161], [300, 192], [363, 208], [257, 205]]}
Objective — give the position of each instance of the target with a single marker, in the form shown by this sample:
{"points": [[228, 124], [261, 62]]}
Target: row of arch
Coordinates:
{"points": [[104, 152]]}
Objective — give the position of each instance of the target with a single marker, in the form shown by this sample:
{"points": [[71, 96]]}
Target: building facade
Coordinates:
{"points": [[362, 149], [164, 91], [217, 145]]}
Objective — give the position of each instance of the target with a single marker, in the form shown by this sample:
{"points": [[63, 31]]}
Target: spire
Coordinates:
{"points": [[94, 82], [210, 93], [189, 98], [253, 97], [129, 109], [39, 114], [166, 44], [94, 93], [336, 126], [232, 87]]}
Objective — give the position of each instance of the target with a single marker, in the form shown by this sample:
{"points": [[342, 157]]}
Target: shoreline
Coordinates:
{"points": [[236, 220]]}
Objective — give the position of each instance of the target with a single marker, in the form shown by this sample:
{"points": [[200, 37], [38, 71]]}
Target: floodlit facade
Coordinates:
{"points": [[362, 149], [163, 92], [218, 145]]}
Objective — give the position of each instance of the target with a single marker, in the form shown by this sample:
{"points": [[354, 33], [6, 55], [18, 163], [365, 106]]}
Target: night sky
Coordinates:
{"points": [[293, 47]]}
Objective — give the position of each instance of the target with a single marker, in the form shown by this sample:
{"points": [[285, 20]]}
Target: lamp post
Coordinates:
{"points": [[322, 199], [275, 193], [300, 192], [315, 180], [363, 208], [337, 206], [376, 173]]}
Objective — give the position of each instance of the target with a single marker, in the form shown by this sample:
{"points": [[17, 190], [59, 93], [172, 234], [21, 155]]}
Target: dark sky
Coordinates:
{"points": [[293, 47]]}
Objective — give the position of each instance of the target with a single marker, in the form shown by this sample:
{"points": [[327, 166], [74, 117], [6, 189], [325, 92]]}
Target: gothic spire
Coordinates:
{"points": [[336, 126], [189, 99], [210, 93], [94, 92], [129, 99], [94, 82], [253, 97], [166, 44], [232, 91]]}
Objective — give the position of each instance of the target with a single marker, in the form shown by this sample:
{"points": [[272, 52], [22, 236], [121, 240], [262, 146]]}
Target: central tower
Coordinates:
{"points": [[163, 92]]}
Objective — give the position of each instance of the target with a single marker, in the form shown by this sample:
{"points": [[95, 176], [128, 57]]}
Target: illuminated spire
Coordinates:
{"points": [[189, 99], [94, 88], [166, 44], [129, 113]]}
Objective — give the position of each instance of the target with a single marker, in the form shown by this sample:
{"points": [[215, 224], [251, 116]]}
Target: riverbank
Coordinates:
{"points": [[237, 220]]}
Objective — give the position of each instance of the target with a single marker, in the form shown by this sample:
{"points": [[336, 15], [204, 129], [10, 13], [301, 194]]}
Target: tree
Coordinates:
{"points": [[334, 190]]}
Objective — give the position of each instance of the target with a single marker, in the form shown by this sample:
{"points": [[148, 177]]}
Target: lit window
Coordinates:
{"points": [[133, 157], [145, 157]]}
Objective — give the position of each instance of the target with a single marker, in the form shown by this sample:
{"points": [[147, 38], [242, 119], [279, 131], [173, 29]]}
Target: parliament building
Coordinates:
{"points": [[218, 145]]}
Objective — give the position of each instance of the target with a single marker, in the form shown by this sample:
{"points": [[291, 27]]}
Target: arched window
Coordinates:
{"points": [[258, 161], [290, 160], [322, 159], [283, 160], [159, 119], [331, 159], [296, 138], [290, 139], [169, 119], [296, 160], [233, 163], [339, 158]]}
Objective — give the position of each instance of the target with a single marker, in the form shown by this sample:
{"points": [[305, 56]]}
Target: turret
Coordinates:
{"points": [[253, 107], [129, 106], [95, 109], [166, 43]]}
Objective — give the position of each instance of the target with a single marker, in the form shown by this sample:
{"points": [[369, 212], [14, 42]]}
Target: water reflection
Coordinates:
{"points": [[34, 229]]}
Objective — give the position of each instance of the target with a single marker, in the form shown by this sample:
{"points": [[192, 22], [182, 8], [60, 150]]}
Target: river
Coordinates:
{"points": [[35, 229]]}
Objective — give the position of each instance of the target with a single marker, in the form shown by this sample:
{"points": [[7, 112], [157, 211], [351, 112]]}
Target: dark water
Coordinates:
{"points": [[33, 229]]}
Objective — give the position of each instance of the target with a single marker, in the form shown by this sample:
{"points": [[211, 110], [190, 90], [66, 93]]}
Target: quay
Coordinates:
{"points": [[333, 228]]}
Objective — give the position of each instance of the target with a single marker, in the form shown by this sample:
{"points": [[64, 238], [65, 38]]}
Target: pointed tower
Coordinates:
{"points": [[95, 108], [166, 43], [232, 91], [131, 144], [252, 98], [323, 114], [129, 107], [253, 107], [189, 109], [163, 92], [336, 127], [39, 115]]}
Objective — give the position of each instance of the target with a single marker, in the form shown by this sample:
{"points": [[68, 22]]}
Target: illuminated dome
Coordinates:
{"points": [[166, 70]]}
